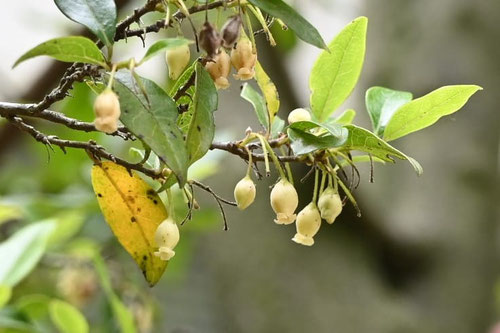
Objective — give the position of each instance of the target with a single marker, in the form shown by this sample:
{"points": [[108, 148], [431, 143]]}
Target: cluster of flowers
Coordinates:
{"points": [[284, 200]]}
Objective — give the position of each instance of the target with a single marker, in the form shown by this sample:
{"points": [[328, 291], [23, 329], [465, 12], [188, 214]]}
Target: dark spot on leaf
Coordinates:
{"points": [[144, 258], [150, 192], [99, 195], [155, 201], [140, 136], [132, 219], [139, 209], [126, 111], [198, 128], [130, 198]]}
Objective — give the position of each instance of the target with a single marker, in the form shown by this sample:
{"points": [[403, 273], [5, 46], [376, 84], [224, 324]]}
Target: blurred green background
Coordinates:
{"points": [[423, 258]]}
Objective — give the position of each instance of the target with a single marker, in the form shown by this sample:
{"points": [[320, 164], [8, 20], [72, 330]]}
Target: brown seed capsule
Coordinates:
{"points": [[231, 31], [219, 69], [210, 39]]}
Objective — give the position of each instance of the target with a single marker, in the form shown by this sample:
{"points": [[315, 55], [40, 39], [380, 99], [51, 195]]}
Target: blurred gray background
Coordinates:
{"points": [[424, 256]]}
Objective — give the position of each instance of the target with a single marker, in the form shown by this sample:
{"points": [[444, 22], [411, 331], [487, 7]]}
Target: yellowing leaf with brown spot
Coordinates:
{"points": [[133, 210]]}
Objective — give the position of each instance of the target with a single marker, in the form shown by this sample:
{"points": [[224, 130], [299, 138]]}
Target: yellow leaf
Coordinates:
{"points": [[269, 90], [133, 210]]}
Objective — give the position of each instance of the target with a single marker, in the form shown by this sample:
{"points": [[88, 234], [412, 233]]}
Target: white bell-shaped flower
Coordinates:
{"points": [[284, 200], [166, 238], [107, 111], [244, 193], [330, 204], [308, 223]]}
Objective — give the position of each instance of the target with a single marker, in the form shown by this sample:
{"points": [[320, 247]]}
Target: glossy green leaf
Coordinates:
{"points": [[22, 251], [363, 140], [154, 122], [425, 111], [336, 73], [5, 294], [163, 45], [303, 142], [278, 127], [258, 102], [302, 28], [269, 91], [67, 318], [121, 313], [67, 49], [382, 103], [97, 15], [345, 118], [201, 129]]}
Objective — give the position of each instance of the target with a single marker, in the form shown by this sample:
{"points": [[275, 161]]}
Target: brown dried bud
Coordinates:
{"points": [[231, 31], [210, 39]]}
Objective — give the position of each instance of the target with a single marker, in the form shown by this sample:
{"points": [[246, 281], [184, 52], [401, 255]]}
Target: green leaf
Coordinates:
{"points": [[425, 111], [201, 129], [302, 28], [67, 318], [97, 15], [277, 127], [360, 159], [5, 294], [68, 224], [269, 90], [344, 118], [67, 49], [335, 74], [155, 122], [22, 251], [163, 45], [303, 142], [363, 140], [258, 102], [122, 315], [382, 103], [336, 130]]}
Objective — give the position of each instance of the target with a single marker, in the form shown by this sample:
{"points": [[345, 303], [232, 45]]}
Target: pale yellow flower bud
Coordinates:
{"points": [[244, 59], [177, 60], [107, 111], [299, 115], [244, 193], [330, 205], [308, 223], [166, 238], [219, 68], [284, 200]]}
